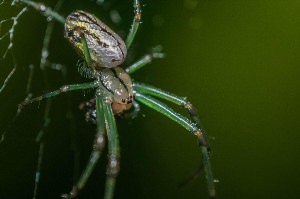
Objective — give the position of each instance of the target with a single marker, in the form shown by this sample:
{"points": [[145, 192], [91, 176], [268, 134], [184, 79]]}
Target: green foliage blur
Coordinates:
{"points": [[236, 61]]}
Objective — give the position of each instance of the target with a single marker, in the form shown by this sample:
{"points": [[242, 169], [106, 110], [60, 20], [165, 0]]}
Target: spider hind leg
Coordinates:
{"points": [[141, 96], [99, 143], [113, 149]]}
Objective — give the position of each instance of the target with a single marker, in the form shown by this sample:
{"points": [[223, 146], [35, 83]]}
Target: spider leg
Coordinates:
{"points": [[187, 124], [62, 89], [41, 133], [135, 24], [181, 101], [99, 144], [146, 59], [86, 52], [113, 166]]}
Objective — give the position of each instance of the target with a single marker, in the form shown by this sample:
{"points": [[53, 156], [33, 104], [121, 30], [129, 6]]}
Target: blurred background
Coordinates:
{"points": [[236, 61]]}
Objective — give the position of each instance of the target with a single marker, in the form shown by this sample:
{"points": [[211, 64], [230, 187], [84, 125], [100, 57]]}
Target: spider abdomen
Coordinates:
{"points": [[106, 48]]}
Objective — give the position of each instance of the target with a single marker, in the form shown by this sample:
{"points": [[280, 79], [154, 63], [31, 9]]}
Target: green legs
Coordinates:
{"points": [[113, 149], [181, 101], [208, 171], [62, 89], [141, 91], [146, 59], [168, 112], [86, 52], [106, 125], [135, 23], [195, 127], [99, 143], [105, 121]]}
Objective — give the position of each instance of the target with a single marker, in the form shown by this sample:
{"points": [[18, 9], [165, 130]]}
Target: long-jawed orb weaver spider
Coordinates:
{"points": [[104, 51]]}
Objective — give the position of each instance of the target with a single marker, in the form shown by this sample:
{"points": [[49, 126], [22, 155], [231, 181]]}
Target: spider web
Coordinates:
{"points": [[15, 69], [8, 48]]}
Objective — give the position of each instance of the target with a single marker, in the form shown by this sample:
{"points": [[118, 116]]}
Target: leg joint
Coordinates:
{"points": [[202, 140], [137, 11], [64, 88], [113, 166], [99, 143]]}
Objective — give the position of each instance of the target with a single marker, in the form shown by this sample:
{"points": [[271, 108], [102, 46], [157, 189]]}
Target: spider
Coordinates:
{"points": [[104, 51]]}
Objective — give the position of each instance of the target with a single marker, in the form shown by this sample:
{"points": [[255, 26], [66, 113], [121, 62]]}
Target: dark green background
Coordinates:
{"points": [[237, 61]]}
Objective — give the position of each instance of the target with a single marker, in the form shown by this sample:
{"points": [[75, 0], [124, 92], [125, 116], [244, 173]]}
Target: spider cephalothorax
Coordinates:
{"points": [[117, 83]]}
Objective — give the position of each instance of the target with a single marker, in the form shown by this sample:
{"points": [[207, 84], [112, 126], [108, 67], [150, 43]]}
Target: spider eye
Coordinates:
{"points": [[106, 48]]}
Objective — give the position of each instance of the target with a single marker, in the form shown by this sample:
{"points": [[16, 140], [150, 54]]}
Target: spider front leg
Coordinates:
{"points": [[135, 23], [187, 124], [146, 59], [99, 143], [113, 166]]}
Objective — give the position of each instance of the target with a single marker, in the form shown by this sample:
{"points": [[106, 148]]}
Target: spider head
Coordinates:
{"points": [[117, 83]]}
